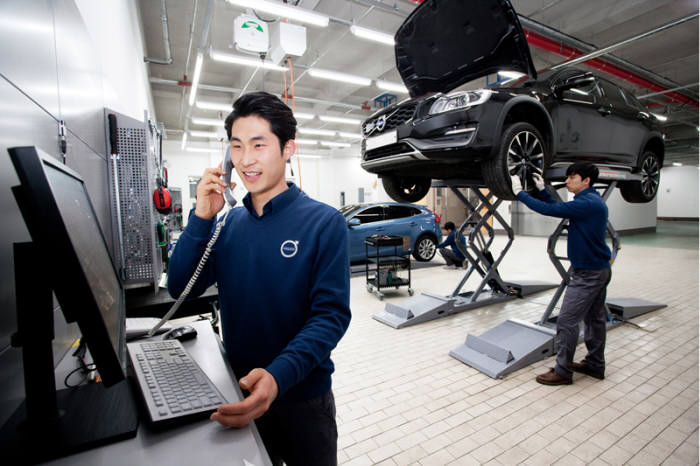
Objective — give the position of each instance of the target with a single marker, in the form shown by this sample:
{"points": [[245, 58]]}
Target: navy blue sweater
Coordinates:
{"points": [[284, 287], [588, 219], [450, 241]]}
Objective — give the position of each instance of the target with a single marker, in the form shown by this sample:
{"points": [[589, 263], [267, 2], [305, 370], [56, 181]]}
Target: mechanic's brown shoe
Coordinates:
{"points": [[552, 378], [583, 368]]}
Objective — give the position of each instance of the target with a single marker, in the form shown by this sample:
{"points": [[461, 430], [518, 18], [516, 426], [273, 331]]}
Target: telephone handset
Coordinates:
{"points": [[228, 195], [228, 168]]}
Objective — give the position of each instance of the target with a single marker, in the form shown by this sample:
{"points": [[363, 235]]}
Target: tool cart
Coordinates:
{"points": [[391, 270]]}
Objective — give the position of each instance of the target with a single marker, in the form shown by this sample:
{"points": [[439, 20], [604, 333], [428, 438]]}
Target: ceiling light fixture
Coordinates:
{"points": [[344, 134], [204, 134], [202, 149], [306, 142], [214, 106], [317, 132], [342, 77], [279, 9], [677, 164], [305, 156], [303, 116], [370, 34], [207, 121], [335, 119], [245, 61], [195, 79], [184, 141], [335, 144], [390, 86]]}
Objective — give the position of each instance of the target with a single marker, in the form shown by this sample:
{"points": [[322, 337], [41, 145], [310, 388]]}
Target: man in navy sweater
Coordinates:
{"points": [[453, 256], [590, 259], [282, 268]]}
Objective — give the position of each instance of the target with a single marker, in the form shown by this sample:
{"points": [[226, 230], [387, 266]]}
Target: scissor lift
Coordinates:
{"points": [[515, 344], [492, 288]]}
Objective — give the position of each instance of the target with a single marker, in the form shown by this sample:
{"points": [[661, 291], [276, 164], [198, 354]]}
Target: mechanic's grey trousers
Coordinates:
{"points": [[584, 301]]}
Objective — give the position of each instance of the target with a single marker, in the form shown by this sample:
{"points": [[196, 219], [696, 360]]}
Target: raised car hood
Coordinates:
{"points": [[446, 43]]}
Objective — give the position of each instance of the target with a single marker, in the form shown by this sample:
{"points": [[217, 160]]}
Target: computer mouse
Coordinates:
{"points": [[181, 333]]}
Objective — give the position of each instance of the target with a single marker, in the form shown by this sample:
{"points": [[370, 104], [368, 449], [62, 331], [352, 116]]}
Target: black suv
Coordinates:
{"points": [[485, 135]]}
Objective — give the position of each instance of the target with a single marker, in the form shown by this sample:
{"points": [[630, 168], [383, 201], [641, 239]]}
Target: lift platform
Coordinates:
{"points": [[515, 344], [478, 229]]}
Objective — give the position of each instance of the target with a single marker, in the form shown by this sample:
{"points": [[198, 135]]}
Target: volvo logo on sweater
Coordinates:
{"points": [[289, 248]]}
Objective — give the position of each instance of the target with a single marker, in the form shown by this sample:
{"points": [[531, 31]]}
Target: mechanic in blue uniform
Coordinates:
{"points": [[453, 256], [282, 268], [590, 258]]}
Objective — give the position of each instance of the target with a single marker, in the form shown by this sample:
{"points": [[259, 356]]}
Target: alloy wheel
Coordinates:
{"points": [[426, 248], [525, 156], [650, 176]]}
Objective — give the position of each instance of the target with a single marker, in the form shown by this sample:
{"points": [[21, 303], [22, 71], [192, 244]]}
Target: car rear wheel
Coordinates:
{"points": [[646, 189], [522, 152], [424, 250], [406, 188]]}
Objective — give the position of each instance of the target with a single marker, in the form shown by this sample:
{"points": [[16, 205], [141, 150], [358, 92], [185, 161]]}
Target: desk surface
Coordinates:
{"points": [[200, 442]]}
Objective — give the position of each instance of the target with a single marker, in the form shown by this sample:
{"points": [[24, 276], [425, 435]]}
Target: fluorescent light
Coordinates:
{"points": [[335, 144], [660, 117], [184, 141], [214, 106], [317, 132], [342, 77], [305, 156], [204, 134], [307, 142], [202, 149], [245, 61], [207, 121], [279, 9], [390, 86], [195, 79], [303, 116], [344, 134], [371, 34], [677, 164], [510, 74], [334, 119]]}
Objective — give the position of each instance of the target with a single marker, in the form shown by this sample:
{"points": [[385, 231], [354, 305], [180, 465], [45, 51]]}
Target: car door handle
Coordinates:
{"points": [[604, 110], [413, 224]]}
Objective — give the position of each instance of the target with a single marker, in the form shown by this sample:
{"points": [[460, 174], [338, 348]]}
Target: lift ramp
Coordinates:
{"points": [[506, 348]]}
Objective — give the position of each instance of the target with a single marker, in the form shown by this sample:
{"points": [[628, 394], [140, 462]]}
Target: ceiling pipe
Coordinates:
{"points": [[166, 40], [187, 60], [610, 48], [653, 94]]}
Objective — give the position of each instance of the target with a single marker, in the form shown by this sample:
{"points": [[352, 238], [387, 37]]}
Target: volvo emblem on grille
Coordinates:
{"points": [[381, 123]]}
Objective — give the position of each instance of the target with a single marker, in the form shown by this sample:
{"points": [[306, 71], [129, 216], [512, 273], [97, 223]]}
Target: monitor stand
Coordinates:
{"points": [[53, 423]]}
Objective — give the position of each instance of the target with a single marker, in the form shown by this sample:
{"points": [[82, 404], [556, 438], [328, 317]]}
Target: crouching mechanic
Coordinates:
{"points": [[282, 268], [453, 256], [590, 258]]}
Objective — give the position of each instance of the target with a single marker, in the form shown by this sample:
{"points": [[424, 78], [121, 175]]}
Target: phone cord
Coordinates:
{"points": [[194, 278]]}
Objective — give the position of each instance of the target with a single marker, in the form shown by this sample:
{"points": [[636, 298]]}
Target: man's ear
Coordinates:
{"points": [[289, 148], [587, 180]]}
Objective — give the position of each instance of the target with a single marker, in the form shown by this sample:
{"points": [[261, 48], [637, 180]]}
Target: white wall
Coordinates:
{"points": [[678, 192], [115, 28], [626, 216], [341, 172]]}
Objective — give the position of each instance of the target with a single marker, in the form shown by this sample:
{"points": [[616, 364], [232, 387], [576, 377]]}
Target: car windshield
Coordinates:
{"points": [[348, 210]]}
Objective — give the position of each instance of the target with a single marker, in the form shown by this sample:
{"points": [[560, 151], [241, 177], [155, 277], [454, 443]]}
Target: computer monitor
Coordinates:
{"points": [[70, 257]]}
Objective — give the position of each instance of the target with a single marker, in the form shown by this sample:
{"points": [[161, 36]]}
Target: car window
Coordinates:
{"points": [[401, 211], [586, 92], [371, 214], [612, 93], [349, 209]]}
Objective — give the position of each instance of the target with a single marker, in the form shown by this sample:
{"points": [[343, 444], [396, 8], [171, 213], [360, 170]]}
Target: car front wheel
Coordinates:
{"points": [[406, 188], [522, 152], [424, 250], [644, 190]]}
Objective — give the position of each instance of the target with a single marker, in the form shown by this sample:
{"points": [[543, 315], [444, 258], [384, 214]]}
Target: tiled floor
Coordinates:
{"points": [[401, 399]]}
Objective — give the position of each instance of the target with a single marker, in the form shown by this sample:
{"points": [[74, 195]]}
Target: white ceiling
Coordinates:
{"points": [[668, 58]]}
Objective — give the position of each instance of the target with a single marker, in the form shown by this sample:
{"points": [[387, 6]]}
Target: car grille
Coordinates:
{"points": [[393, 149], [394, 118]]}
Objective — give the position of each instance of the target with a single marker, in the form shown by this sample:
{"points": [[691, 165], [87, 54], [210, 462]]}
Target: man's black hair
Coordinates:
{"points": [[268, 107], [449, 226], [584, 170]]}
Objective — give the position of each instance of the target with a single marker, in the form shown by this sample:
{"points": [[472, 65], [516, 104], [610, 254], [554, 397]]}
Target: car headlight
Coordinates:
{"points": [[459, 100]]}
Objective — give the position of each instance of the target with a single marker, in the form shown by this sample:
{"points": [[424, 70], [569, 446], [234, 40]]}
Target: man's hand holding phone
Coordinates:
{"points": [[210, 199]]}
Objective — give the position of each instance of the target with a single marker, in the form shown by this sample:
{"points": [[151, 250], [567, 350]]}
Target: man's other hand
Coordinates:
{"points": [[516, 184], [539, 181], [263, 391]]}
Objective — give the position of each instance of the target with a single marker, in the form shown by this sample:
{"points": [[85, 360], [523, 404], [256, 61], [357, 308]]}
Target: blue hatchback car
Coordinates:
{"points": [[392, 218]]}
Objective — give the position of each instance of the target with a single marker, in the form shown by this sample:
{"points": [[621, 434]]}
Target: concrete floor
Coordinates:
{"points": [[401, 399]]}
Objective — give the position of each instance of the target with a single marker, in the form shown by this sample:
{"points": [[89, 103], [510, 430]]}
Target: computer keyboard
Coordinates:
{"points": [[174, 387]]}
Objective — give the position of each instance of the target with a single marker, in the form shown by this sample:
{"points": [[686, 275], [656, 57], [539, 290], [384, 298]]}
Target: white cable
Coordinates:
{"points": [[194, 278]]}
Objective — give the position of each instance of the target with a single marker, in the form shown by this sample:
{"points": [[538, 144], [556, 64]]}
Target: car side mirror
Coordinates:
{"points": [[353, 222], [576, 81]]}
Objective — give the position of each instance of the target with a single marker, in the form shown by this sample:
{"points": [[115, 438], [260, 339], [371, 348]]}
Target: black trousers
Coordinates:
{"points": [[302, 433]]}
